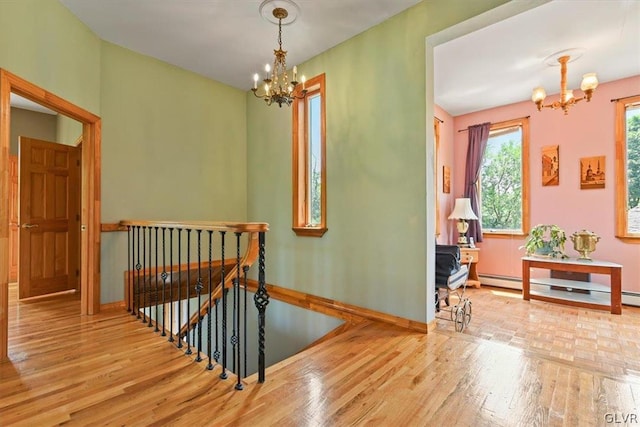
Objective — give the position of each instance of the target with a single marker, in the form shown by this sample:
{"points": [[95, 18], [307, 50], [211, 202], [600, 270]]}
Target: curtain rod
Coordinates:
{"points": [[498, 123], [438, 119], [624, 97]]}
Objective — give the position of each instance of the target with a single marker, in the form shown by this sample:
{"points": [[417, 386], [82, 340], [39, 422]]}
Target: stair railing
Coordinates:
{"points": [[173, 265]]}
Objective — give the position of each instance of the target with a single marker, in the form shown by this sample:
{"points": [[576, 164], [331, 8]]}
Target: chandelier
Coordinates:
{"points": [[277, 88], [567, 99]]}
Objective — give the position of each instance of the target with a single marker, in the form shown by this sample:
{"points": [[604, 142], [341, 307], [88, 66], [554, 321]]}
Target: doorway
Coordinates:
{"points": [[90, 194]]}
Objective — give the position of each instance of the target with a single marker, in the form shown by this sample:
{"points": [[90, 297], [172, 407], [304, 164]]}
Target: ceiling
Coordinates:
{"points": [[229, 40], [502, 63]]}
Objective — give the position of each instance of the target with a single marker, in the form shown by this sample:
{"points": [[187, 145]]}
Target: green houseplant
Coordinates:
{"points": [[546, 240]]}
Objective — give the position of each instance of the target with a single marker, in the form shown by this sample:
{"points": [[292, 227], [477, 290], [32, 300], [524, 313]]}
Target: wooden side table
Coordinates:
{"points": [[593, 295], [473, 255]]}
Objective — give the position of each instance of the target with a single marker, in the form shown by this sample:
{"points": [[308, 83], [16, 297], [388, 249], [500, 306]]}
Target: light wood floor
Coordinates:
{"points": [[518, 364]]}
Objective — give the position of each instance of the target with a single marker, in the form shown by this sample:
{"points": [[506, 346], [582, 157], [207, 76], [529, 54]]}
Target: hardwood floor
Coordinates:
{"points": [[517, 364]]}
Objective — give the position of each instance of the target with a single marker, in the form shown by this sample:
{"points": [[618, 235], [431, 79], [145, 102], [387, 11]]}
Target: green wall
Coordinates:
{"points": [[45, 44], [173, 142], [174, 148], [375, 252], [179, 146]]}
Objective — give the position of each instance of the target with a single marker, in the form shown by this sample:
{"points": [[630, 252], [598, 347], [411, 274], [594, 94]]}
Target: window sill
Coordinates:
{"points": [[503, 234], [310, 231]]}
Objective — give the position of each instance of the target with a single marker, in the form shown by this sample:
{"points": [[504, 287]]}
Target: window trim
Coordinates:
{"points": [[621, 170], [300, 172], [524, 123], [436, 137]]}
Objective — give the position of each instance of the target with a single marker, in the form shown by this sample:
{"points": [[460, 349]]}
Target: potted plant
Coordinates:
{"points": [[546, 240]]}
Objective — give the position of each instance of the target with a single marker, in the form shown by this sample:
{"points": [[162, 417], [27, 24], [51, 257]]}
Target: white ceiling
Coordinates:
{"points": [[228, 40], [502, 63]]}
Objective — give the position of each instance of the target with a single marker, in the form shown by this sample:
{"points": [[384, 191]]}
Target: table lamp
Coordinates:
{"points": [[462, 212]]}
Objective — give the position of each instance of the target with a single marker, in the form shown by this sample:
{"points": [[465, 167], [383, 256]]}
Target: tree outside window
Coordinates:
{"points": [[504, 179]]}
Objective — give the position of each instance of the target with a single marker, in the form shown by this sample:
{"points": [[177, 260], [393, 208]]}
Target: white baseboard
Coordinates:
{"points": [[628, 298], [502, 281]]}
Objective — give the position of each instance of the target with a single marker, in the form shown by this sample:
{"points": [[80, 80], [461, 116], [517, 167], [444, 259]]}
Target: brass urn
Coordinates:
{"points": [[584, 242]]}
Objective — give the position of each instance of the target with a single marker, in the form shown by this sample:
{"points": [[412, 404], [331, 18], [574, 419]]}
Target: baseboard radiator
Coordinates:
{"points": [[628, 298]]}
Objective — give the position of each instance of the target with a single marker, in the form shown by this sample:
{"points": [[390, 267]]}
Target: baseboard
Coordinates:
{"points": [[112, 305], [631, 298], [628, 298], [501, 281]]}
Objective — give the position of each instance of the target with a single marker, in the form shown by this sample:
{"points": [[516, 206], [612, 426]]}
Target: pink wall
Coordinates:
{"points": [[587, 131], [445, 158]]}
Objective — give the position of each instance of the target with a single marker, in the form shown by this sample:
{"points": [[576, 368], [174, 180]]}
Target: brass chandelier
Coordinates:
{"points": [[277, 88], [567, 99]]}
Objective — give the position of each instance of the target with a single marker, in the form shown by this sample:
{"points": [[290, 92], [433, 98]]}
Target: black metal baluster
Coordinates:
{"points": [[138, 267], [129, 271], [149, 279], [210, 364], [235, 338], [199, 292], [164, 284], [261, 299], [179, 286], [171, 303], [188, 292], [224, 375], [157, 299], [144, 281], [245, 269]]}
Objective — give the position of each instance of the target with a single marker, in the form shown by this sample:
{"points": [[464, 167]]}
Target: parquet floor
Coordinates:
{"points": [[591, 339], [517, 364]]}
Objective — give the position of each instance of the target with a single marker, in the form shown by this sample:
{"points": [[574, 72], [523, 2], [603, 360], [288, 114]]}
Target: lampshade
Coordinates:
{"points": [[589, 82], [462, 210]]}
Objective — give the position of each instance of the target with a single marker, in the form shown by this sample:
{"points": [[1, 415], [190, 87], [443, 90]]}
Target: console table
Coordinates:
{"points": [[572, 292]]}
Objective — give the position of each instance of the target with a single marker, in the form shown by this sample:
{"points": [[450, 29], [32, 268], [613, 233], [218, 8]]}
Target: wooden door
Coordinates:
{"points": [[14, 247], [49, 217]]}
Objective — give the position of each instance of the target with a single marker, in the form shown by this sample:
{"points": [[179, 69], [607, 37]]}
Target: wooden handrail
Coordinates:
{"points": [[230, 226]]}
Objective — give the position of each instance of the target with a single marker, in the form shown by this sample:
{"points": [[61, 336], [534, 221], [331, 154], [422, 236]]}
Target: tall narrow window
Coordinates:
{"points": [[436, 137], [309, 161], [628, 167], [504, 179]]}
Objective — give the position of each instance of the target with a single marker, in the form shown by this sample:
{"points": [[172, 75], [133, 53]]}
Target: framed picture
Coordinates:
{"points": [[550, 165], [446, 180], [592, 172]]}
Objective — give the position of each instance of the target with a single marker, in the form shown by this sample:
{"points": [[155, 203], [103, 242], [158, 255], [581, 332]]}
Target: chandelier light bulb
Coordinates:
{"points": [[568, 96], [538, 94], [255, 80], [589, 82]]}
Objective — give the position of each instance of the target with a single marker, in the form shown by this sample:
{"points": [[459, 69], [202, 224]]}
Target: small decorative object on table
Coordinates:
{"points": [[546, 240], [584, 242]]}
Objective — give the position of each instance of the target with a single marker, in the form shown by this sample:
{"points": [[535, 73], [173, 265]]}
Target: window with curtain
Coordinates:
{"points": [[628, 167], [504, 179], [309, 161]]}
